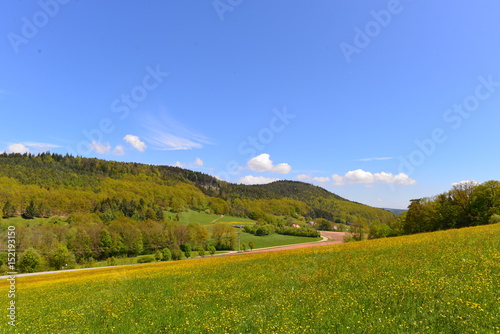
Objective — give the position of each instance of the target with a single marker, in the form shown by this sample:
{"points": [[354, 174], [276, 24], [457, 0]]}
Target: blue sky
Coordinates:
{"points": [[377, 101]]}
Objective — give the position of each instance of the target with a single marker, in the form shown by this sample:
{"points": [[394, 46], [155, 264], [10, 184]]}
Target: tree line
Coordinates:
{"points": [[85, 238]]}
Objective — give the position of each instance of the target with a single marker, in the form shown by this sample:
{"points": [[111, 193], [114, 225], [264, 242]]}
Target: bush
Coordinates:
{"points": [[211, 249], [201, 252], [167, 255], [158, 255], [145, 259], [89, 263], [62, 258], [176, 253], [265, 230], [186, 249], [31, 261], [494, 219], [250, 229], [111, 261], [299, 232]]}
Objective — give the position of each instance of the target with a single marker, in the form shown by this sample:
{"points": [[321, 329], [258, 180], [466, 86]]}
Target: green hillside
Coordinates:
{"points": [[61, 185]]}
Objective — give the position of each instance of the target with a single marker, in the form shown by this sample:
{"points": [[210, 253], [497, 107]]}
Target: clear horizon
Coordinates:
{"points": [[379, 102]]}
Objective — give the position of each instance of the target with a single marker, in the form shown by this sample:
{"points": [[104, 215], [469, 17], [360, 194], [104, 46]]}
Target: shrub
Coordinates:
{"points": [[167, 255], [145, 259], [186, 249], [31, 261], [264, 230], [211, 249], [201, 251], [158, 255], [111, 261], [494, 219], [176, 253]]}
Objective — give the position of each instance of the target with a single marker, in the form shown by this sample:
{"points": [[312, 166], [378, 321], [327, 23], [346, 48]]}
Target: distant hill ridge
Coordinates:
{"points": [[65, 184]]}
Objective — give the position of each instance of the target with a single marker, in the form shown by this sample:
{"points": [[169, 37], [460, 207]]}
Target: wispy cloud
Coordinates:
{"points": [[375, 159], [40, 146], [166, 134]]}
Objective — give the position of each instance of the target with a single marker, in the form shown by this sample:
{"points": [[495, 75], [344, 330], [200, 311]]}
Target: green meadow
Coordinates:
{"points": [[439, 282]]}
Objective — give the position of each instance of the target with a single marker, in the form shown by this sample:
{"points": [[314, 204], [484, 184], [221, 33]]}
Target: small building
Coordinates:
{"points": [[311, 223], [296, 225], [239, 226]]}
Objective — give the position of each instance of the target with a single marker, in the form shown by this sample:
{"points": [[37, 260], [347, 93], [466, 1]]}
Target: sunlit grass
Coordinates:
{"points": [[446, 282]]}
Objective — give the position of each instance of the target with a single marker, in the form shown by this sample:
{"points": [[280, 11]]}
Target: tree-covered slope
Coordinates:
{"points": [[60, 185]]}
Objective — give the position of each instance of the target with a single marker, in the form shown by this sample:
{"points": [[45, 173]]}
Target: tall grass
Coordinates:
{"points": [[442, 282]]}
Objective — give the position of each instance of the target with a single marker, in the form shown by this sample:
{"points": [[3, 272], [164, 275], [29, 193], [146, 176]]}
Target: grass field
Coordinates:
{"points": [[20, 221], [202, 218], [442, 282], [274, 240]]}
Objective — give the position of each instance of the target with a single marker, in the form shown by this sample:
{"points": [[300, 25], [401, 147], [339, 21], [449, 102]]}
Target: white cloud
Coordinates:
{"points": [[18, 148], [119, 150], [135, 142], [100, 148], [310, 178], [27, 147], [250, 179], [263, 163], [197, 163], [466, 182], [304, 177], [361, 176], [166, 134], [321, 179]]}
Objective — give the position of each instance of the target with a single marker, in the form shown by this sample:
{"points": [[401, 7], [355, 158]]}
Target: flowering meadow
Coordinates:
{"points": [[440, 282]]}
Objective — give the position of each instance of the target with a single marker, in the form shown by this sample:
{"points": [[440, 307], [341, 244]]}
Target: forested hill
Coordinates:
{"points": [[61, 185]]}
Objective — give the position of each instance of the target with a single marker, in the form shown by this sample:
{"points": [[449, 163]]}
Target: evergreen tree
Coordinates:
{"points": [[9, 210], [159, 214], [31, 211]]}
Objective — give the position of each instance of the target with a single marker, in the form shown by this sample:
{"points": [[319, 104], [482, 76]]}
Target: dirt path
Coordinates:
{"points": [[328, 238], [216, 219]]}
